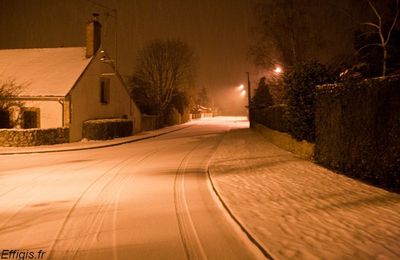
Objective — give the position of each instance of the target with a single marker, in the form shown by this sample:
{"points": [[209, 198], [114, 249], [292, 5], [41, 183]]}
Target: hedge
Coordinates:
{"points": [[358, 129], [103, 129], [299, 83], [33, 136], [274, 117]]}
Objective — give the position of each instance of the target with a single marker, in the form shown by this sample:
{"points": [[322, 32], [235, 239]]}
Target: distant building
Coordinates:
{"points": [[199, 111], [66, 86]]}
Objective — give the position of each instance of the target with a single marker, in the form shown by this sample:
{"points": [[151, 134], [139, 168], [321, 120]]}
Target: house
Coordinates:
{"points": [[64, 87], [200, 111]]}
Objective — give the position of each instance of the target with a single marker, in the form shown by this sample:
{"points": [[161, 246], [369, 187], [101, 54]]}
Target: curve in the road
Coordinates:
{"points": [[236, 220]]}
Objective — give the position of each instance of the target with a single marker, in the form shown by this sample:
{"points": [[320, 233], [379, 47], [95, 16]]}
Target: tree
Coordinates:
{"points": [[284, 32], [9, 89], [293, 31], [202, 98], [383, 29], [300, 86], [163, 68], [262, 97], [181, 102]]}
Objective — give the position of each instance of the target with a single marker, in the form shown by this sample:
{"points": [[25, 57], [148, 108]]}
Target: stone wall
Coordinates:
{"points": [[33, 137]]}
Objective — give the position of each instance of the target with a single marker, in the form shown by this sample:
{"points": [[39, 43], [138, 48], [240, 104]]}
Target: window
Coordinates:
{"points": [[31, 118], [104, 91], [5, 119]]}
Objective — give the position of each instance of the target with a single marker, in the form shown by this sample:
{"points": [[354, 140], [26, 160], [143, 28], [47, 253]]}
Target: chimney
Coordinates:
{"points": [[93, 36]]}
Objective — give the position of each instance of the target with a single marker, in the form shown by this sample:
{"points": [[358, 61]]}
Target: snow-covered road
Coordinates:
{"points": [[145, 200]]}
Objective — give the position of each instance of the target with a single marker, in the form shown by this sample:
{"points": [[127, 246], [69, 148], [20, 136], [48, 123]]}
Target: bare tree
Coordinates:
{"points": [[163, 68], [276, 32], [379, 28], [286, 32], [292, 31], [9, 89]]}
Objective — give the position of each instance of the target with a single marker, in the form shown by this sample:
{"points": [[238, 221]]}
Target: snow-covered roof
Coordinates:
{"points": [[44, 72]]}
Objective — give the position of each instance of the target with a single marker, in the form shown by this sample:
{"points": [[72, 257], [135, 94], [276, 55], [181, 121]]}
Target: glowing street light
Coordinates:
{"points": [[243, 92], [241, 87], [278, 70]]}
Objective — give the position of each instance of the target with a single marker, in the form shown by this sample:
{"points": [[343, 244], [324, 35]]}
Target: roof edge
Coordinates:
{"points": [[82, 73]]}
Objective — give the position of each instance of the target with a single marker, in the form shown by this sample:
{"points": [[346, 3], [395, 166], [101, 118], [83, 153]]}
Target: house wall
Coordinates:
{"points": [[85, 99], [50, 112]]}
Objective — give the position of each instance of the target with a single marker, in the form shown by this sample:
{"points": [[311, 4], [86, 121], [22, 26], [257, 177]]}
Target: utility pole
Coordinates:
{"points": [[249, 99]]}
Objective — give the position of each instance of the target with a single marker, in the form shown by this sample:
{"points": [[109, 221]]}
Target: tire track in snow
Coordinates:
{"points": [[115, 205], [190, 239], [74, 206], [95, 222], [112, 203]]}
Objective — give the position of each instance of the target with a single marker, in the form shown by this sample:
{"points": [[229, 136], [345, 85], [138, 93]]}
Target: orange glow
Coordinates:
{"points": [[243, 92], [278, 70], [241, 87]]}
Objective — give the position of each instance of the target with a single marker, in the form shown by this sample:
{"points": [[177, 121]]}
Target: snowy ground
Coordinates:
{"points": [[145, 200], [298, 210]]}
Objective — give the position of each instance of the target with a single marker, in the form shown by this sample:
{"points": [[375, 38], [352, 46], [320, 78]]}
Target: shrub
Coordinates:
{"points": [[358, 129], [262, 97], [300, 82], [103, 129], [172, 117], [274, 117], [33, 136]]}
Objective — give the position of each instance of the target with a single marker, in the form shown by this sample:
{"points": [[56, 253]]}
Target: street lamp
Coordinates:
{"points": [[278, 69], [249, 99]]}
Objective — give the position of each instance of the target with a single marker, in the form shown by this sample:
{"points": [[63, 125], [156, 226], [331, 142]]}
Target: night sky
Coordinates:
{"points": [[217, 31]]}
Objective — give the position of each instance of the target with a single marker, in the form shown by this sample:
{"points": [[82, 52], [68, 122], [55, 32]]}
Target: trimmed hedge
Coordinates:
{"points": [[358, 129], [33, 137], [103, 129], [274, 117]]}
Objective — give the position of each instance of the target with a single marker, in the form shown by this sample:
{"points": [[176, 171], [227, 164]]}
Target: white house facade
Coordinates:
{"points": [[64, 87]]}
